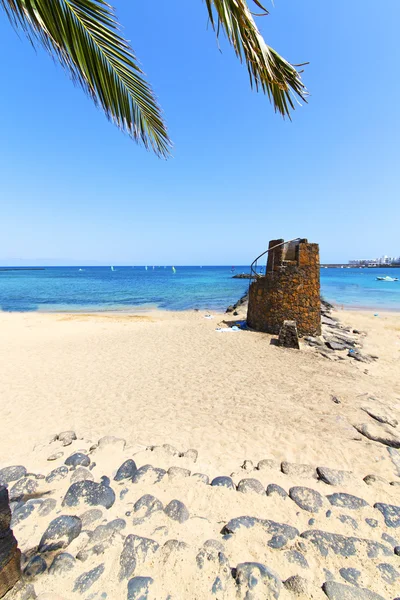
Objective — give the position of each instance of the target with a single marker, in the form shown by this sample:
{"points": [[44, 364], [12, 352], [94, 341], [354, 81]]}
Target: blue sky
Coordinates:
{"points": [[74, 189]]}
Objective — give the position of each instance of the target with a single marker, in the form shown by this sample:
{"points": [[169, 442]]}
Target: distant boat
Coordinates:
{"points": [[112, 268], [81, 269], [387, 278], [153, 268], [232, 269], [173, 270], [146, 268]]}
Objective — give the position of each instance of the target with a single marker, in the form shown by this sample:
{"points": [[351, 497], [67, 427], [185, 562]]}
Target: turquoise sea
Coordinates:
{"points": [[101, 289]]}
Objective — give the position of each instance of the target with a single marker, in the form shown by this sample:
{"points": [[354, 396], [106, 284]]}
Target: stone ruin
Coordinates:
{"points": [[289, 290]]}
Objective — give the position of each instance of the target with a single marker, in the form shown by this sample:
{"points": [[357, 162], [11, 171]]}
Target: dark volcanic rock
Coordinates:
{"points": [[77, 460], [57, 474], [333, 477], [61, 531], [390, 540], [350, 575], [347, 501], [250, 486], [89, 492], [297, 585], [269, 526], [342, 545], [388, 573], [81, 474], [86, 580], [372, 523], [223, 482], [347, 520], [391, 513], [149, 502], [126, 470], [63, 563], [135, 550], [23, 512], [138, 588], [9, 474], [255, 580], [306, 498], [296, 557], [105, 532], [35, 566], [277, 542], [341, 591], [177, 511], [46, 507], [148, 474], [23, 487], [274, 489]]}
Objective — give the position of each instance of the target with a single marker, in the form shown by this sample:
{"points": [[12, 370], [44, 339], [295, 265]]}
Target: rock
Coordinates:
{"points": [[105, 532], [148, 474], [277, 542], [340, 591], [388, 573], [303, 471], [397, 551], [337, 346], [379, 433], [178, 472], [201, 477], [271, 527], [149, 502], [35, 566], [9, 474], [213, 546], [391, 513], [89, 492], [379, 414], [342, 545], [170, 449], [296, 557], [86, 580], [25, 591], [306, 498], [299, 586], [126, 470], [104, 480], [336, 400], [374, 480], [91, 516], [222, 481], [46, 507], [177, 511], [135, 550], [395, 458], [247, 465], [60, 532], [23, 487], [288, 335], [109, 441], [67, 437], [250, 486], [267, 464], [138, 588], [123, 493], [350, 575], [22, 513], [330, 321], [347, 520], [334, 477], [57, 474], [347, 501], [77, 460], [274, 489], [171, 550], [257, 581], [190, 454], [55, 456], [390, 540], [372, 522], [356, 354], [81, 474], [63, 563]]}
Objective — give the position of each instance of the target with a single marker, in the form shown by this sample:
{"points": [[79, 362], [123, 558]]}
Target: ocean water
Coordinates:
{"points": [[213, 288]]}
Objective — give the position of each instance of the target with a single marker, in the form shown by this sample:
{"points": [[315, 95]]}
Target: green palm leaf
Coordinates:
{"points": [[268, 71], [84, 37]]}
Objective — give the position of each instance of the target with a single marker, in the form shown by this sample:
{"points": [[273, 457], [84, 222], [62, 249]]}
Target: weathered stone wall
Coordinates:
{"points": [[290, 290], [10, 555]]}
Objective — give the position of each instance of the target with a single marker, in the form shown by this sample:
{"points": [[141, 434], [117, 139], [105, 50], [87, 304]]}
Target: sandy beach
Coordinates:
{"points": [[170, 378]]}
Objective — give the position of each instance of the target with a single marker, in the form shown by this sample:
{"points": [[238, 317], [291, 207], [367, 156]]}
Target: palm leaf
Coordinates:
{"points": [[84, 36], [268, 71]]}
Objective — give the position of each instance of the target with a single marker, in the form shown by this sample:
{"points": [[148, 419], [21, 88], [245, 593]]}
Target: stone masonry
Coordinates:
{"points": [[10, 555], [290, 290]]}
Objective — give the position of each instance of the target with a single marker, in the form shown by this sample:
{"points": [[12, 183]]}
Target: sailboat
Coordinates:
{"points": [[173, 270], [112, 268], [146, 268]]}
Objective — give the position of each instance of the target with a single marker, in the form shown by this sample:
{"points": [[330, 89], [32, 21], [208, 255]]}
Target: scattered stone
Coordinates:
{"points": [[250, 486], [380, 415], [350, 575], [379, 433], [201, 477], [388, 573], [223, 482], [178, 472], [61, 531], [311, 522], [296, 557], [337, 346], [374, 479], [390, 540], [333, 476], [135, 550], [63, 563], [105, 532], [190, 454], [104, 480], [23, 487], [356, 354], [35, 566], [295, 470], [9, 474], [391, 514], [299, 586], [46, 507], [86, 580], [77, 460], [347, 501], [330, 321], [57, 474], [148, 474], [306, 498], [248, 465], [277, 542], [89, 492], [67, 437], [253, 575], [177, 511], [274, 489], [397, 551], [342, 545], [328, 514], [148, 501], [271, 527], [81, 474], [341, 591], [109, 440], [56, 456], [126, 470], [347, 520], [336, 400], [213, 546], [123, 493], [288, 335], [138, 588], [23, 512], [372, 523], [267, 464]]}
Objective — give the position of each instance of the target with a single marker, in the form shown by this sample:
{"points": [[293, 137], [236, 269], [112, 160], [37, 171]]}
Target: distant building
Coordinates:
{"points": [[375, 262]]}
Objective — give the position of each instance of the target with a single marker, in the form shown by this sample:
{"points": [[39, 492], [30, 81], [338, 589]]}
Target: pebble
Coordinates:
{"points": [[190, 454], [178, 472], [391, 513], [250, 486], [104, 480], [148, 474], [55, 456], [277, 542], [341, 591], [138, 588], [35, 566], [299, 586], [126, 470], [60, 532], [388, 573], [136, 549], [306, 498], [397, 551], [267, 464], [149, 502], [86, 580], [390, 540], [170, 449], [67, 437], [81, 474], [104, 532], [201, 477], [296, 557], [46, 507], [177, 511], [23, 487], [255, 580], [9, 474], [274, 489], [247, 465], [347, 501], [374, 480], [77, 460], [57, 474], [223, 481], [90, 493], [295, 470], [333, 476], [372, 522], [350, 575], [63, 563]]}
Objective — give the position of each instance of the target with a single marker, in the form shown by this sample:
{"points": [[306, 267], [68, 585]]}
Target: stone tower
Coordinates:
{"points": [[290, 289]]}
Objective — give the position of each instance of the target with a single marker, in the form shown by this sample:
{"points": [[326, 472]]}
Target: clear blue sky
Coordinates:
{"points": [[75, 189]]}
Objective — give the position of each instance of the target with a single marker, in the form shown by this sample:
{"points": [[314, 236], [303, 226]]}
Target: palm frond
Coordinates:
{"points": [[268, 71], [84, 36]]}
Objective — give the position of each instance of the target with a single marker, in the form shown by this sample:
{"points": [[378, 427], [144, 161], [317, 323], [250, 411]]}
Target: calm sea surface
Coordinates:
{"points": [[100, 288]]}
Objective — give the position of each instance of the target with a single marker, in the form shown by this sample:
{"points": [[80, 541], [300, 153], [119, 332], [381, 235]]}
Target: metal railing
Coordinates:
{"points": [[253, 267]]}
